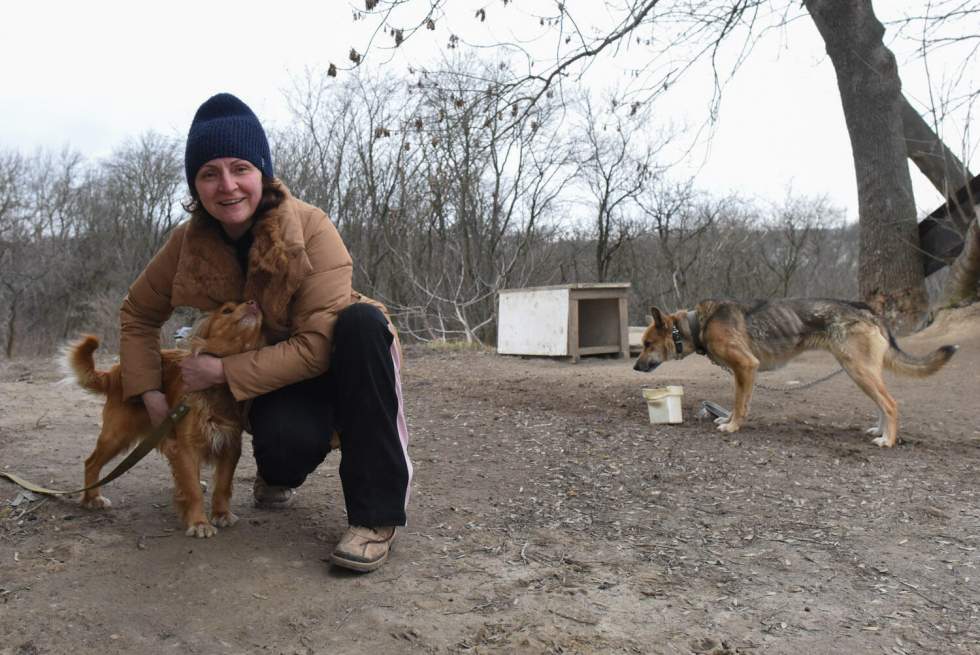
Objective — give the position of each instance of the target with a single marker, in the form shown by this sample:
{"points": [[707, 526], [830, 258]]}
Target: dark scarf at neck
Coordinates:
{"points": [[241, 245]]}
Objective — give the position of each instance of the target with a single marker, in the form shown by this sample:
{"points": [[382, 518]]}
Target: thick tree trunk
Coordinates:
{"points": [[890, 273], [11, 327]]}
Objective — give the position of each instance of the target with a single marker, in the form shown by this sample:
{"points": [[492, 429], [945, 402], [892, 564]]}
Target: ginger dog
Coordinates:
{"points": [[762, 335], [211, 432]]}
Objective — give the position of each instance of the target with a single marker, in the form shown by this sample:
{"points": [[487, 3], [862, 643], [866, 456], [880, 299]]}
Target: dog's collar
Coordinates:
{"points": [[694, 327]]}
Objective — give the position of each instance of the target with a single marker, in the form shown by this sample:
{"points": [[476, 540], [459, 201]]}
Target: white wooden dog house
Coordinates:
{"points": [[567, 320]]}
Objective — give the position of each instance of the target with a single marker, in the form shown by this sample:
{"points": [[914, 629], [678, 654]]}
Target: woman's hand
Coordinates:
{"points": [[199, 372], [156, 406]]}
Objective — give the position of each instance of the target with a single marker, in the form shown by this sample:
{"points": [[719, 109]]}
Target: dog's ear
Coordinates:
{"points": [[657, 318]]}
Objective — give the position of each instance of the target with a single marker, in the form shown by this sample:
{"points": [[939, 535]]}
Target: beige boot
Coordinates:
{"points": [[269, 496], [363, 549]]}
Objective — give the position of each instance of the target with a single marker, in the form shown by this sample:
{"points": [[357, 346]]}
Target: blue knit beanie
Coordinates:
{"points": [[224, 126]]}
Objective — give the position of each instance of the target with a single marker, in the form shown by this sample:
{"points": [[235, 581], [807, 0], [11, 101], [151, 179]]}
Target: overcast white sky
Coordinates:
{"points": [[92, 74]]}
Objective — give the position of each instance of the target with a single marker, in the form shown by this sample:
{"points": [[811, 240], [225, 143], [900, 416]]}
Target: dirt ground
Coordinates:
{"points": [[547, 516]]}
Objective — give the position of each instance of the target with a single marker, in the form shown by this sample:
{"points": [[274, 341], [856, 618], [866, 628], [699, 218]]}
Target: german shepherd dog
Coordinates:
{"points": [[765, 334], [210, 433]]}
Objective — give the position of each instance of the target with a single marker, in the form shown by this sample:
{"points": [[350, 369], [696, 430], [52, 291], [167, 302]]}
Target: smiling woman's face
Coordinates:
{"points": [[230, 190]]}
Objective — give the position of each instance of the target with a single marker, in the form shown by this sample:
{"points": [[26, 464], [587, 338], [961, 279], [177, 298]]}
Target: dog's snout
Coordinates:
{"points": [[645, 366]]}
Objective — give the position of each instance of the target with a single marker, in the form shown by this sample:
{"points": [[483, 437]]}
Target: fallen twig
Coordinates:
{"points": [[575, 618], [32, 508], [916, 591]]}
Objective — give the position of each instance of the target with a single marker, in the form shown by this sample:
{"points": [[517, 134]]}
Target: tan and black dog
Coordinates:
{"points": [[765, 334]]}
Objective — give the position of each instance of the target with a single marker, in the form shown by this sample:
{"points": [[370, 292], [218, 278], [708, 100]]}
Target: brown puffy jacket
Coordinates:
{"points": [[299, 271]]}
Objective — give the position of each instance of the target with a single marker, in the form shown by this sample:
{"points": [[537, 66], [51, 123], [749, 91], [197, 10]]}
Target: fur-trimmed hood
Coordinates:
{"points": [[208, 272]]}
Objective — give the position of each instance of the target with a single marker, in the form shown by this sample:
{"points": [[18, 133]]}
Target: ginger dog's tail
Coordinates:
{"points": [[903, 363], [79, 360]]}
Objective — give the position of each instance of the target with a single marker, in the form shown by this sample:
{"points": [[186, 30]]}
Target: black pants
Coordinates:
{"points": [[359, 397]]}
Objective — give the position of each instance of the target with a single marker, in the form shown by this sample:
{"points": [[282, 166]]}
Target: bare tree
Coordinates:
{"points": [[12, 169], [615, 162], [890, 276], [679, 219], [74, 234], [560, 44], [439, 204], [41, 220], [488, 185], [13, 231], [794, 242], [312, 155], [145, 181]]}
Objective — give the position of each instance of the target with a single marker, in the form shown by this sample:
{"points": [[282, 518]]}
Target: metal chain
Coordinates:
{"points": [[709, 408], [800, 386], [794, 387]]}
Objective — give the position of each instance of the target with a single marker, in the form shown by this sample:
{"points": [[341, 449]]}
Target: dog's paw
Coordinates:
{"points": [[874, 429], [96, 502], [882, 442], [201, 531], [225, 520], [721, 420], [728, 427]]}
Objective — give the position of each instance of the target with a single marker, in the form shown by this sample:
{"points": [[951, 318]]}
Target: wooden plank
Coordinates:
{"points": [[598, 350], [573, 338], [940, 244], [599, 294], [941, 233], [624, 328], [576, 286]]}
